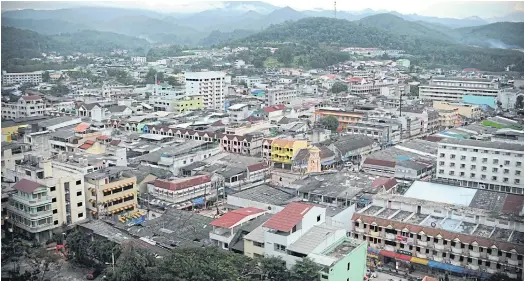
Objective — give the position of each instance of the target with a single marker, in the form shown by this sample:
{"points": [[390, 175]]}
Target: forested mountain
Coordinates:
{"points": [[216, 37], [20, 43], [400, 26], [316, 32], [495, 35]]}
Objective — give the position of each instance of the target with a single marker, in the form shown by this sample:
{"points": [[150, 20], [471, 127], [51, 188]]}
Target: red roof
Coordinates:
{"points": [[32, 97], [218, 123], [232, 218], [115, 142], [26, 186], [376, 162], [85, 146], [387, 183], [513, 204], [102, 138], [274, 108], [290, 216], [257, 167], [182, 184], [89, 141], [434, 138], [253, 119], [354, 79], [81, 127]]}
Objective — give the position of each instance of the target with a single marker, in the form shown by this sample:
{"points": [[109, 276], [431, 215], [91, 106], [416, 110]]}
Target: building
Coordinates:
{"points": [[380, 132], [480, 164], [238, 112], [228, 225], [183, 191], [20, 78], [112, 194], [460, 234], [284, 150], [186, 103], [453, 90], [467, 110], [59, 193], [344, 117], [300, 231], [449, 118], [24, 107], [139, 59], [280, 96], [211, 85]]}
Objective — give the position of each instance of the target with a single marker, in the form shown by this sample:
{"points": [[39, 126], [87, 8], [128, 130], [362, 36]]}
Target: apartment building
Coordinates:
{"points": [[112, 194], [380, 132], [182, 191], [467, 110], [371, 88], [59, 194], [409, 232], [139, 59], [494, 166], [300, 231], [238, 112], [344, 117], [24, 107], [280, 96], [284, 150], [13, 154], [20, 78], [453, 90], [449, 118], [211, 85]]}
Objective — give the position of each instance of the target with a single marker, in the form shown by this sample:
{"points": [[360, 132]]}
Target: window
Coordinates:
{"points": [[452, 156], [506, 171], [78, 182], [493, 178], [495, 170], [451, 173], [55, 211], [461, 174], [258, 244], [484, 160], [53, 200], [80, 215], [441, 171], [472, 175], [27, 173], [518, 164], [462, 157], [318, 218], [484, 168], [505, 179], [279, 247], [349, 265], [56, 222], [495, 161], [473, 158], [452, 164], [506, 162], [517, 173], [66, 185], [441, 163], [462, 166], [79, 204], [442, 155], [52, 188], [473, 167]]}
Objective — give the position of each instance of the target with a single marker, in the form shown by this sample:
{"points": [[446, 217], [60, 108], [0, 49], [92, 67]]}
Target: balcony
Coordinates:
{"points": [[360, 230], [36, 229], [456, 262], [491, 270], [374, 233], [437, 259], [31, 201], [439, 246], [389, 248], [391, 236], [422, 243], [456, 250], [473, 266], [474, 254], [493, 258], [513, 262], [422, 256]]}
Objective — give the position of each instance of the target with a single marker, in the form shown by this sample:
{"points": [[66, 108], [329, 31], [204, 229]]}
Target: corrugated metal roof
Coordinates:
{"points": [[290, 216]]}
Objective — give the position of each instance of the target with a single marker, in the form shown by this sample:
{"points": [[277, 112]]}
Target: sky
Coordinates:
{"points": [[438, 8]]}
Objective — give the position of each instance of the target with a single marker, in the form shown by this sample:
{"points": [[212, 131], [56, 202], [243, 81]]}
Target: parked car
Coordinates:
{"points": [[92, 274]]}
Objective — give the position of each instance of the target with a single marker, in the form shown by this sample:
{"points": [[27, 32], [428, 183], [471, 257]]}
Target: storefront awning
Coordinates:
{"points": [[419, 261], [403, 257], [388, 254], [445, 266]]}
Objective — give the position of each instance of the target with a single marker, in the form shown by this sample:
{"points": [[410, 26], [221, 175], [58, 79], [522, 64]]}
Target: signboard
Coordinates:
{"points": [[404, 239], [404, 252]]}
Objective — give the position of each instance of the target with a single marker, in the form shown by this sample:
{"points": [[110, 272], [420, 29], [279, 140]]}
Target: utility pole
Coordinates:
{"points": [[335, 8]]}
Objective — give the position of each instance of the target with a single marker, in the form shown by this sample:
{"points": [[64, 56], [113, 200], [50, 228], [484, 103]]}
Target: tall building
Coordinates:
{"points": [[453, 90], [26, 77], [281, 96], [112, 194], [46, 198], [24, 107], [211, 85], [495, 166]]}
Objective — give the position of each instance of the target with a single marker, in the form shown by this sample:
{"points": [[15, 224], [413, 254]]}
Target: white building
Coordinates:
{"points": [[449, 89], [139, 59], [26, 106], [18, 78], [278, 96], [480, 164], [507, 98], [238, 112], [210, 84], [240, 63]]}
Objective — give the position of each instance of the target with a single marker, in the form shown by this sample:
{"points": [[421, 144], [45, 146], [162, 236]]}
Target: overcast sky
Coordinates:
{"points": [[439, 8]]}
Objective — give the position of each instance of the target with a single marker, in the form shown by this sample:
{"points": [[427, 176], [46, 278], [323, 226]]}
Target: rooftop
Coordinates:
{"points": [[484, 144], [311, 239], [232, 218], [289, 217], [26, 186], [265, 194], [336, 185]]}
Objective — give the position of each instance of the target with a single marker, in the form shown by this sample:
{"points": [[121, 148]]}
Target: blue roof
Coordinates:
{"points": [[479, 100]]}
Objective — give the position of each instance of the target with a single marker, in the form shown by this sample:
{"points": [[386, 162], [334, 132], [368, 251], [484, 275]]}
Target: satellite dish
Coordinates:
{"points": [[433, 224]]}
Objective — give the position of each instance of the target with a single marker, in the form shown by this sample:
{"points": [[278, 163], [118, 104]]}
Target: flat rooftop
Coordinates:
{"points": [[386, 213], [336, 185], [342, 249]]}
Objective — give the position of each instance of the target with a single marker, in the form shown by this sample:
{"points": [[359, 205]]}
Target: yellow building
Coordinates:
{"points": [[283, 151], [466, 110], [449, 118], [112, 193], [188, 103]]}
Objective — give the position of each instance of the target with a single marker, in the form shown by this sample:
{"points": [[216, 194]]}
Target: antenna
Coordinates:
{"points": [[335, 8]]}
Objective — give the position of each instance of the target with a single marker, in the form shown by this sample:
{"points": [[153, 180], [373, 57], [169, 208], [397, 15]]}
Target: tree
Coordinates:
{"points": [[77, 244], [329, 122], [133, 265], [150, 76], [45, 76], [243, 83], [173, 81], [339, 87], [274, 269], [305, 270]]}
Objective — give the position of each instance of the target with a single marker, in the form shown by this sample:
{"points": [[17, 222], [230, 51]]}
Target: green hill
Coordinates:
{"points": [[495, 35], [318, 32]]}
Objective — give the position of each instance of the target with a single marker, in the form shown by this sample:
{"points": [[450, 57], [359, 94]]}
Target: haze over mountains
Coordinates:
{"points": [[228, 21]]}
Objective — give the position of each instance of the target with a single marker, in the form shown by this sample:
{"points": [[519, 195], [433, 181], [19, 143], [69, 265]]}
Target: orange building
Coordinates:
{"points": [[344, 117]]}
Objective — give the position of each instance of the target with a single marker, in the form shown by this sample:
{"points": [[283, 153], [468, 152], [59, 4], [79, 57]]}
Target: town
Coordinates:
{"points": [[371, 167]]}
